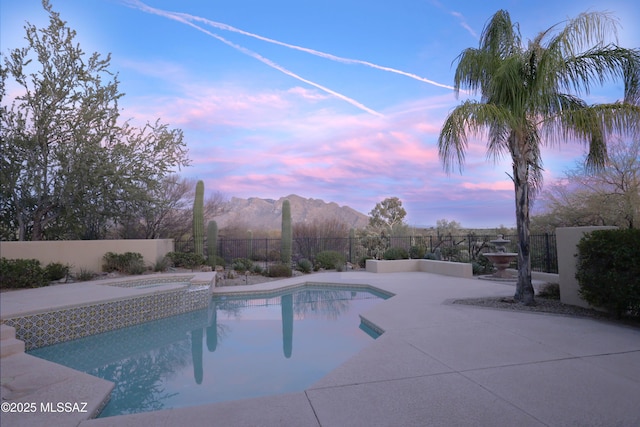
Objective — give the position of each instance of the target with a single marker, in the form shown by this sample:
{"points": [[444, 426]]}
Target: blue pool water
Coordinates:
{"points": [[238, 348]]}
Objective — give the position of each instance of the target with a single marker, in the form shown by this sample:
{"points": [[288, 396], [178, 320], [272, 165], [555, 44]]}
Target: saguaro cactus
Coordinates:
{"points": [[287, 234], [212, 242], [198, 219]]}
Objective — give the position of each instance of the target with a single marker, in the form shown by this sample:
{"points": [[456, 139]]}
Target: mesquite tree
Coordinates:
{"points": [[69, 169]]}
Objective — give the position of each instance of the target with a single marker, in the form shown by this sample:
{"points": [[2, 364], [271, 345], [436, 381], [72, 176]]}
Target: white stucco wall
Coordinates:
{"points": [[84, 254]]}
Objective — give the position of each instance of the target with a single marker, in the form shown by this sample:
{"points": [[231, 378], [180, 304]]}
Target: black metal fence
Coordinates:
{"points": [[464, 248]]}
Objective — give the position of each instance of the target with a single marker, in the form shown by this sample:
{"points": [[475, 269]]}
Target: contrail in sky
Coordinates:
{"points": [[180, 17], [311, 51]]}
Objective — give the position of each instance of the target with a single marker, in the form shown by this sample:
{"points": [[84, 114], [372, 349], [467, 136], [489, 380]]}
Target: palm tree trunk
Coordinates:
{"points": [[524, 287]]}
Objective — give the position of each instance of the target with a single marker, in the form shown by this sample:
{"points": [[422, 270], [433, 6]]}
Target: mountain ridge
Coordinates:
{"points": [[266, 214]]}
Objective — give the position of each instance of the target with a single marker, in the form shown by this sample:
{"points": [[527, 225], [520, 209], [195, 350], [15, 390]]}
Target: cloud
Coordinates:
{"points": [[493, 186], [463, 23], [185, 19]]}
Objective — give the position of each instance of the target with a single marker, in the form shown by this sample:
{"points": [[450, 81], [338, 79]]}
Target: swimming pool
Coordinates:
{"points": [[240, 347]]}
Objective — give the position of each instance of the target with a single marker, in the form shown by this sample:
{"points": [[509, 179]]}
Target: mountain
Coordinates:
{"points": [[266, 214]]}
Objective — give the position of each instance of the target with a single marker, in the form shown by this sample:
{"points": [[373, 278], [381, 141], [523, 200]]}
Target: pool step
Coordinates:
{"points": [[8, 343]]}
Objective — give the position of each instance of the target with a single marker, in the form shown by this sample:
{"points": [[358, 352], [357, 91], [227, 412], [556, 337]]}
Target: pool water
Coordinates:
{"points": [[238, 348]]}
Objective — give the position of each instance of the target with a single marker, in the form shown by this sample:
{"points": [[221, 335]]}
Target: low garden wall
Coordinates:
{"points": [[446, 268], [85, 254]]}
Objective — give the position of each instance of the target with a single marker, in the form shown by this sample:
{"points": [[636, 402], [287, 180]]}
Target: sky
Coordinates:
{"points": [[339, 100]]}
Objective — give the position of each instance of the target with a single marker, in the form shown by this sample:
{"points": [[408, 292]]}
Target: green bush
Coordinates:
{"points": [[128, 263], [242, 264], [362, 262], [395, 253], [218, 260], [417, 251], [186, 259], [56, 271], [305, 265], [85, 275], [550, 291], [279, 270], [608, 270], [329, 260], [162, 264], [22, 273], [482, 265]]}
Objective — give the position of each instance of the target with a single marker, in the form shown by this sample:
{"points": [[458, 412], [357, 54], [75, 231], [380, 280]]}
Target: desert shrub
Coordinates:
{"points": [[219, 261], [305, 265], [431, 256], [85, 275], [395, 253], [279, 270], [482, 265], [56, 271], [417, 251], [128, 262], [608, 270], [242, 264], [257, 269], [329, 260], [22, 273], [186, 259], [550, 291], [161, 264], [362, 262]]}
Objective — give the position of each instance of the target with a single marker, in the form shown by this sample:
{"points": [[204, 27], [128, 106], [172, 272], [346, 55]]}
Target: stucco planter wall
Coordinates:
{"points": [[456, 269], [85, 254]]}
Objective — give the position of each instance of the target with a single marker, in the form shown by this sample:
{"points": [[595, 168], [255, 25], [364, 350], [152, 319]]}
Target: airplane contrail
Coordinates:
{"points": [[310, 51], [325, 55], [180, 18]]}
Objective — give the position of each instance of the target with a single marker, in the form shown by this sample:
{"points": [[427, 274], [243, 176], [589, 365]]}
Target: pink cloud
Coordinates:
{"points": [[492, 186]]}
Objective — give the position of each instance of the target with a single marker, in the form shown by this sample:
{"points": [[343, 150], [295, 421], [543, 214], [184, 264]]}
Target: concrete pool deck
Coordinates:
{"points": [[436, 364]]}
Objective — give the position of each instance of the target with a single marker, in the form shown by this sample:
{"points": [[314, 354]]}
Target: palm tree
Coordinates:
{"points": [[531, 97]]}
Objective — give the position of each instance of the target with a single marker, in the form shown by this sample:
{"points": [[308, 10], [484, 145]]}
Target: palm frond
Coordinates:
{"points": [[469, 117], [583, 32]]}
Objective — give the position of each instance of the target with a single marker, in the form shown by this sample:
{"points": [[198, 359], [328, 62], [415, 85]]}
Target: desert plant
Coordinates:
{"points": [[241, 265], [128, 262], [550, 291], [85, 275], [198, 219], [417, 251], [362, 262], [212, 242], [162, 264], [482, 265], [22, 273], [608, 270], [287, 234], [279, 270], [56, 271], [305, 265], [186, 259], [329, 260], [395, 253]]}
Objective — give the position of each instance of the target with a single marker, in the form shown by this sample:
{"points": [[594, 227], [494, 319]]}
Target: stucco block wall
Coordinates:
{"points": [[85, 254], [446, 268], [567, 239]]}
